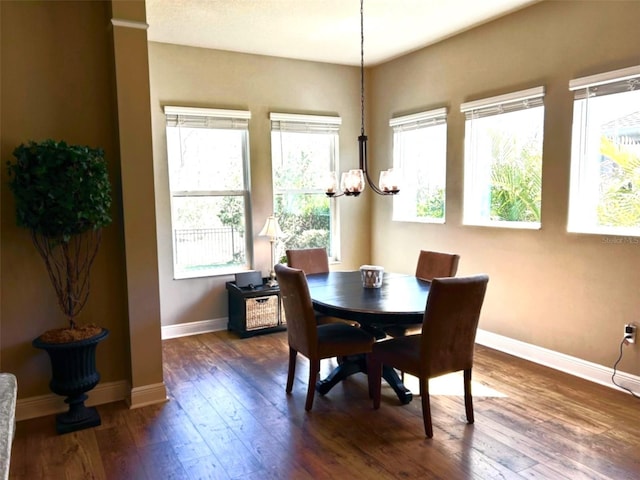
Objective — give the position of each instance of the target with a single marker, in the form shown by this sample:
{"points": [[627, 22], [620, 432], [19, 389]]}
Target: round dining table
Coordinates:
{"points": [[401, 299]]}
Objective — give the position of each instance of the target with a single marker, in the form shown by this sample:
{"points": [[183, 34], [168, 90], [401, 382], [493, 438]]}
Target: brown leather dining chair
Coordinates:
{"points": [[305, 336], [310, 261], [445, 345], [430, 265]]}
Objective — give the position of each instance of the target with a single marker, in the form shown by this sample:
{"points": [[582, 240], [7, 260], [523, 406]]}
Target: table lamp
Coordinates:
{"points": [[272, 230]]}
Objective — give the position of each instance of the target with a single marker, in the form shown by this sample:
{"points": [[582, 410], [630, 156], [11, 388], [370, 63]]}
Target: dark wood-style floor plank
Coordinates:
{"points": [[228, 417]]}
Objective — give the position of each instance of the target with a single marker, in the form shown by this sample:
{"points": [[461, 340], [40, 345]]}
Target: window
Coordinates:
{"points": [[304, 149], [420, 153], [208, 182], [605, 154], [503, 160]]}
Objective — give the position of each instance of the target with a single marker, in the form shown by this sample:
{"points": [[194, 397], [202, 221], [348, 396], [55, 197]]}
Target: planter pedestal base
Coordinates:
{"points": [[78, 417]]}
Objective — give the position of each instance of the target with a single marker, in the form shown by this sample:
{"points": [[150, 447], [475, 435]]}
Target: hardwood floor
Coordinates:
{"points": [[229, 417]]}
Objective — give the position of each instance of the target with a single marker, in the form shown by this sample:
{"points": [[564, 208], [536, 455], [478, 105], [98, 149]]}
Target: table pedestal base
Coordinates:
{"points": [[357, 363]]}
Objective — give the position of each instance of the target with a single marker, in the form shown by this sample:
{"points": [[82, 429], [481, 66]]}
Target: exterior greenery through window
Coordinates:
{"points": [[503, 160], [304, 148], [420, 153], [605, 154], [207, 152]]}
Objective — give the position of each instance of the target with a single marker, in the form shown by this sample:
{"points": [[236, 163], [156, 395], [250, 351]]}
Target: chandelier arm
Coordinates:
{"points": [[362, 140]]}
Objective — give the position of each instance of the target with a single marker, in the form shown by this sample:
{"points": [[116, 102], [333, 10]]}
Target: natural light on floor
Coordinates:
{"points": [[451, 384]]}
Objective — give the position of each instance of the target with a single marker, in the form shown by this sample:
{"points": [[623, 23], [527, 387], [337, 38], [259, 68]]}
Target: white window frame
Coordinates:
{"points": [[213, 119], [284, 122], [405, 205], [475, 168], [586, 139]]}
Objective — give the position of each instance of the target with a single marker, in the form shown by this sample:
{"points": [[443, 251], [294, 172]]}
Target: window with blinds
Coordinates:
{"points": [[304, 149], [208, 163], [420, 153], [503, 160], [605, 154]]}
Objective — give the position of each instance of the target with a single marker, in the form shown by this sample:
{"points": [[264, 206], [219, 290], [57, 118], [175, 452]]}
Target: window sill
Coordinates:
{"points": [[509, 225], [208, 273]]}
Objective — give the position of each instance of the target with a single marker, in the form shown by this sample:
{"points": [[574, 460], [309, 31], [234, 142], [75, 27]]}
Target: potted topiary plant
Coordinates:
{"points": [[63, 196]]}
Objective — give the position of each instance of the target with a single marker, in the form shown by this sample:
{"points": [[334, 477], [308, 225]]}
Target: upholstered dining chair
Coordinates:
{"points": [[436, 265], [445, 345], [310, 261], [305, 336], [430, 265]]}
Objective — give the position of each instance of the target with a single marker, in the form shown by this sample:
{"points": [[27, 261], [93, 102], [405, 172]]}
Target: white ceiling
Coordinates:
{"points": [[319, 30]]}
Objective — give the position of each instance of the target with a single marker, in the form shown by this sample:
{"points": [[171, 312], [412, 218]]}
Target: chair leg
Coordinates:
{"points": [[468, 400], [426, 407], [292, 369], [374, 377], [314, 368]]}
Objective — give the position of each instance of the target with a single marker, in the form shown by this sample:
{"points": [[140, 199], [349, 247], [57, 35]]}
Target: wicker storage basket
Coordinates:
{"points": [[262, 312]]}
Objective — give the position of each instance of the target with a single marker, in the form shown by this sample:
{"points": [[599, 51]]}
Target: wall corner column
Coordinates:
{"points": [[131, 63]]}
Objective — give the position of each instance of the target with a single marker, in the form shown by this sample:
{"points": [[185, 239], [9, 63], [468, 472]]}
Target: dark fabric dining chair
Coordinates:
{"points": [[445, 345], [430, 265], [305, 336], [310, 261], [436, 265]]}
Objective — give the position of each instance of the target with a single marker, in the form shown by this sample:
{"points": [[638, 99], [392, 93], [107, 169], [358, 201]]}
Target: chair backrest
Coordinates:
{"points": [[301, 319], [436, 264], [451, 322], [309, 260]]}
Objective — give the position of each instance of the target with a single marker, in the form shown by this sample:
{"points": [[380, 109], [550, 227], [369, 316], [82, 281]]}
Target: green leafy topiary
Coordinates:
{"points": [[60, 190], [63, 196]]}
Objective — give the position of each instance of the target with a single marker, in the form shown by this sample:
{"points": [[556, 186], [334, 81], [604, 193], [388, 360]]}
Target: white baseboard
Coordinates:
{"points": [[50, 404], [559, 361], [194, 328], [148, 395]]}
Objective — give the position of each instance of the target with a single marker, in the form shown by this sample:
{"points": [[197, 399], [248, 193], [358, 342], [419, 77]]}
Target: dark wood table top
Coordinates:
{"points": [[401, 299]]}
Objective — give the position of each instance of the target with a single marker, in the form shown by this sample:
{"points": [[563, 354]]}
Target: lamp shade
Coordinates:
{"points": [[271, 228]]}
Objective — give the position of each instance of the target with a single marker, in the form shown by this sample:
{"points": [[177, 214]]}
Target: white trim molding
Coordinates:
{"points": [[116, 22], [559, 361], [148, 395], [194, 328]]}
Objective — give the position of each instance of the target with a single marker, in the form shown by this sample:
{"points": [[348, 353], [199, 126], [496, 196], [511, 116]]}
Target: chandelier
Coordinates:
{"points": [[352, 182]]}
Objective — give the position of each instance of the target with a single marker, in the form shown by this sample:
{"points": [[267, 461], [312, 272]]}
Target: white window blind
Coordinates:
{"points": [[509, 102], [289, 122], [617, 81], [206, 118], [419, 120]]}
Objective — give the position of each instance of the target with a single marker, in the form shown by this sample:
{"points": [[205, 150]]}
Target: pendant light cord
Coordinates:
{"points": [[362, 67]]}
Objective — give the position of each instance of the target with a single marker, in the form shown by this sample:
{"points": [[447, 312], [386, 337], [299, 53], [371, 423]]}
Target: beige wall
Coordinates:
{"points": [[569, 293], [197, 77], [57, 82], [565, 292]]}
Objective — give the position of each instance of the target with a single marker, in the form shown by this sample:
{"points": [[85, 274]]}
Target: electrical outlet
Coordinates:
{"points": [[630, 333]]}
